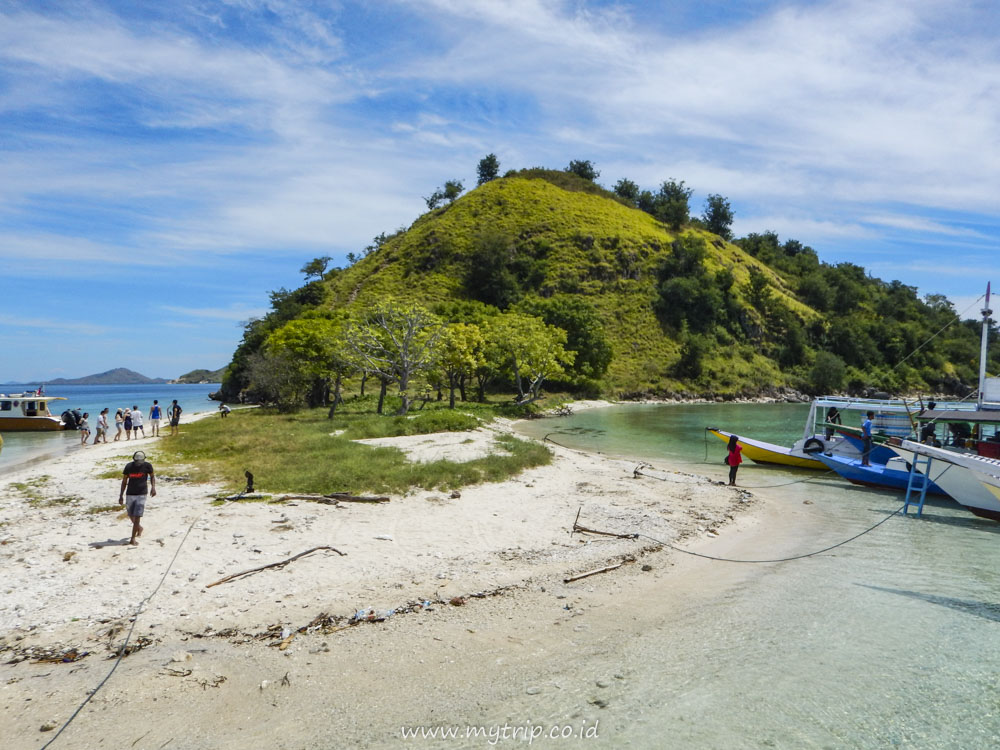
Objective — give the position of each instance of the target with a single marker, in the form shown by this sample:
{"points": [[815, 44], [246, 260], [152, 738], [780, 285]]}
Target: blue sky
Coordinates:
{"points": [[163, 166]]}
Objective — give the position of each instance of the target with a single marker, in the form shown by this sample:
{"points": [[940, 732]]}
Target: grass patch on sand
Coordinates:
{"points": [[94, 510], [32, 492], [297, 453]]}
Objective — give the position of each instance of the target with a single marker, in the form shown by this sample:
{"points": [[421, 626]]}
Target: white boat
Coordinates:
{"points": [[28, 412], [973, 481]]}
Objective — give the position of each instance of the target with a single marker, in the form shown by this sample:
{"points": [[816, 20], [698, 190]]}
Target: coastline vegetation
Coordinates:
{"points": [[305, 452], [544, 277]]}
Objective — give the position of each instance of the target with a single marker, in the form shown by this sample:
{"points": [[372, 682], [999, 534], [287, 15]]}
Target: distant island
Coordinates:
{"points": [[117, 376], [201, 376]]}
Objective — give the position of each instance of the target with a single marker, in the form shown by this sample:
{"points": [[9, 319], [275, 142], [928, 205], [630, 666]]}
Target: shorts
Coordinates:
{"points": [[175, 422], [101, 431], [155, 422], [135, 505]]}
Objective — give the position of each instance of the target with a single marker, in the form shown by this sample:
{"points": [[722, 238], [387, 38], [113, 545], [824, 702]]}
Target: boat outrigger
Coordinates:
{"points": [[29, 412]]}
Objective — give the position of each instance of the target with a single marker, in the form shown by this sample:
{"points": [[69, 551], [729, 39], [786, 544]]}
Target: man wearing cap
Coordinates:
{"points": [[134, 490]]}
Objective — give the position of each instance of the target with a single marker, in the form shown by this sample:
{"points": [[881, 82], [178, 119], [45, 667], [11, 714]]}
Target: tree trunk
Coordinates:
{"points": [[404, 395], [364, 377], [461, 388], [336, 397], [451, 391], [381, 396]]}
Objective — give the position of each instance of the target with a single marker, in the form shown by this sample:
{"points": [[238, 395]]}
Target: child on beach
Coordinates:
{"points": [[734, 459], [84, 429], [133, 491]]}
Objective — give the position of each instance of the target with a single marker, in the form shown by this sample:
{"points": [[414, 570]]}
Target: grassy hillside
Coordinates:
{"points": [[682, 311]]}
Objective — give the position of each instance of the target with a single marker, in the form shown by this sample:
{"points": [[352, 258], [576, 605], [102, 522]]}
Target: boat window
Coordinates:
{"points": [[4, 405]]}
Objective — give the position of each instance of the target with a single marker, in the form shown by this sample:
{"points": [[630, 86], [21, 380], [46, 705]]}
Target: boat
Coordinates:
{"points": [[29, 412], [893, 418], [973, 481], [893, 474]]}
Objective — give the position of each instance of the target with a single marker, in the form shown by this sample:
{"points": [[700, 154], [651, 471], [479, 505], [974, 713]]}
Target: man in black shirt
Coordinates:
{"points": [[134, 490]]}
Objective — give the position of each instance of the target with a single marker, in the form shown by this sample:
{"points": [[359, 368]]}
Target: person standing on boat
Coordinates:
{"points": [[734, 459], [133, 491], [155, 414], [866, 438], [832, 418]]}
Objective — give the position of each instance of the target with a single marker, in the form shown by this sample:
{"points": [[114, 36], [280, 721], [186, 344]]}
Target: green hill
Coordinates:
{"points": [[682, 311], [117, 376], [201, 376]]}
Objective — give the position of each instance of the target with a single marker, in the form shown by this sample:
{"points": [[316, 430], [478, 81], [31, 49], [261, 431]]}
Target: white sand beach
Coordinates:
{"points": [[471, 589]]}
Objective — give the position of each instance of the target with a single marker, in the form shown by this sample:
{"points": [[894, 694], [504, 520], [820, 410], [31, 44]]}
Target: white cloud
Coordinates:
{"points": [[54, 326], [233, 312]]}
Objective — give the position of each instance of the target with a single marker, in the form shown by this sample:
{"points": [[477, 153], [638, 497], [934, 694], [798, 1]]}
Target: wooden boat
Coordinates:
{"points": [[893, 474], [762, 452], [28, 412]]}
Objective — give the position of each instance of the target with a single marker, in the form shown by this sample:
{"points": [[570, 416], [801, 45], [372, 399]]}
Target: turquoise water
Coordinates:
{"points": [[21, 447], [890, 641]]}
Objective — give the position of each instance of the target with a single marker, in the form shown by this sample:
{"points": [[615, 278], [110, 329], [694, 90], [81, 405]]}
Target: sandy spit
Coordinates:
{"points": [[460, 582]]}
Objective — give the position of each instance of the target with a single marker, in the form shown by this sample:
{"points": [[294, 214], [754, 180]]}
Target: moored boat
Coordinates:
{"points": [[971, 480], [29, 412], [893, 474]]}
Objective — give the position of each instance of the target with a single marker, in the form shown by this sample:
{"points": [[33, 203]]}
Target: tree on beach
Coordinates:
{"points": [[462, 353], [395, 341], [319, 351], [488, 169], [534, 352]]}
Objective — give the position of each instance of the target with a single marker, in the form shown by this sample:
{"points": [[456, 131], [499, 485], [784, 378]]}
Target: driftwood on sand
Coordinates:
{"points": [[337, 497], [593, 572], [279, 564]]}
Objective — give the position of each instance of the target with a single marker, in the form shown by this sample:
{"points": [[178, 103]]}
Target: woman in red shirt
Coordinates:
{"points": [[734, 459]]}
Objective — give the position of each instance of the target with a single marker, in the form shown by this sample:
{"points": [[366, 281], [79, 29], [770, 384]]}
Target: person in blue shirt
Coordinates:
{"points": [[866, 437]]}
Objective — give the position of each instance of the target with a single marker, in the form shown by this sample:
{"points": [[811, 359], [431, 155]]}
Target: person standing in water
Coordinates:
{"points": [[134, 490], [734, 459]]}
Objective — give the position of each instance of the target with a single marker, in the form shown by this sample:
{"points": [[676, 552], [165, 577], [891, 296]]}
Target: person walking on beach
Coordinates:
{"points": [[119, 422], [134, 491], [866, 439], [102, 426], [128, 423], [137, 422], [734, 459], [154, 418], [175, 417], [84, 428]]}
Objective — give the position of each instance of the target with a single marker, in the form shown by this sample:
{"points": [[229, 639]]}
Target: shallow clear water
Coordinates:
{"points": [[21, 447], [890, 641]]}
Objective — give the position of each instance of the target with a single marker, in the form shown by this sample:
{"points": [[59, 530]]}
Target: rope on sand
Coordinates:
{"points": [[123, 651]]}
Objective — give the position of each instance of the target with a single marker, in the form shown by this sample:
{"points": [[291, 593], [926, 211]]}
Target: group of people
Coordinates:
{"points": [[130, 422]]}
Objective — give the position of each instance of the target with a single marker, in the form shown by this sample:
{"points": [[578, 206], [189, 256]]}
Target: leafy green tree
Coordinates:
{"points": [[275, 379], [584, 169], [627, 190], [316, 267], [759, 289], [452, 189], [646, 201], [462, 353], [718, 216], [694, 349], [672, 204], [489, 276], [488, 169], [319, 351], [584, 330], [827, 373], [535, 352], [395, 341]]}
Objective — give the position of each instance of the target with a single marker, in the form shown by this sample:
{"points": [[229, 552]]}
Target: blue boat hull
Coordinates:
{"points": [[876, 475], [879, 455]]}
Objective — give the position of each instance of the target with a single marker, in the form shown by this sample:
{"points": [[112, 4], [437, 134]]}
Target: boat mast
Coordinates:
{"points": [[982, 348]]}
